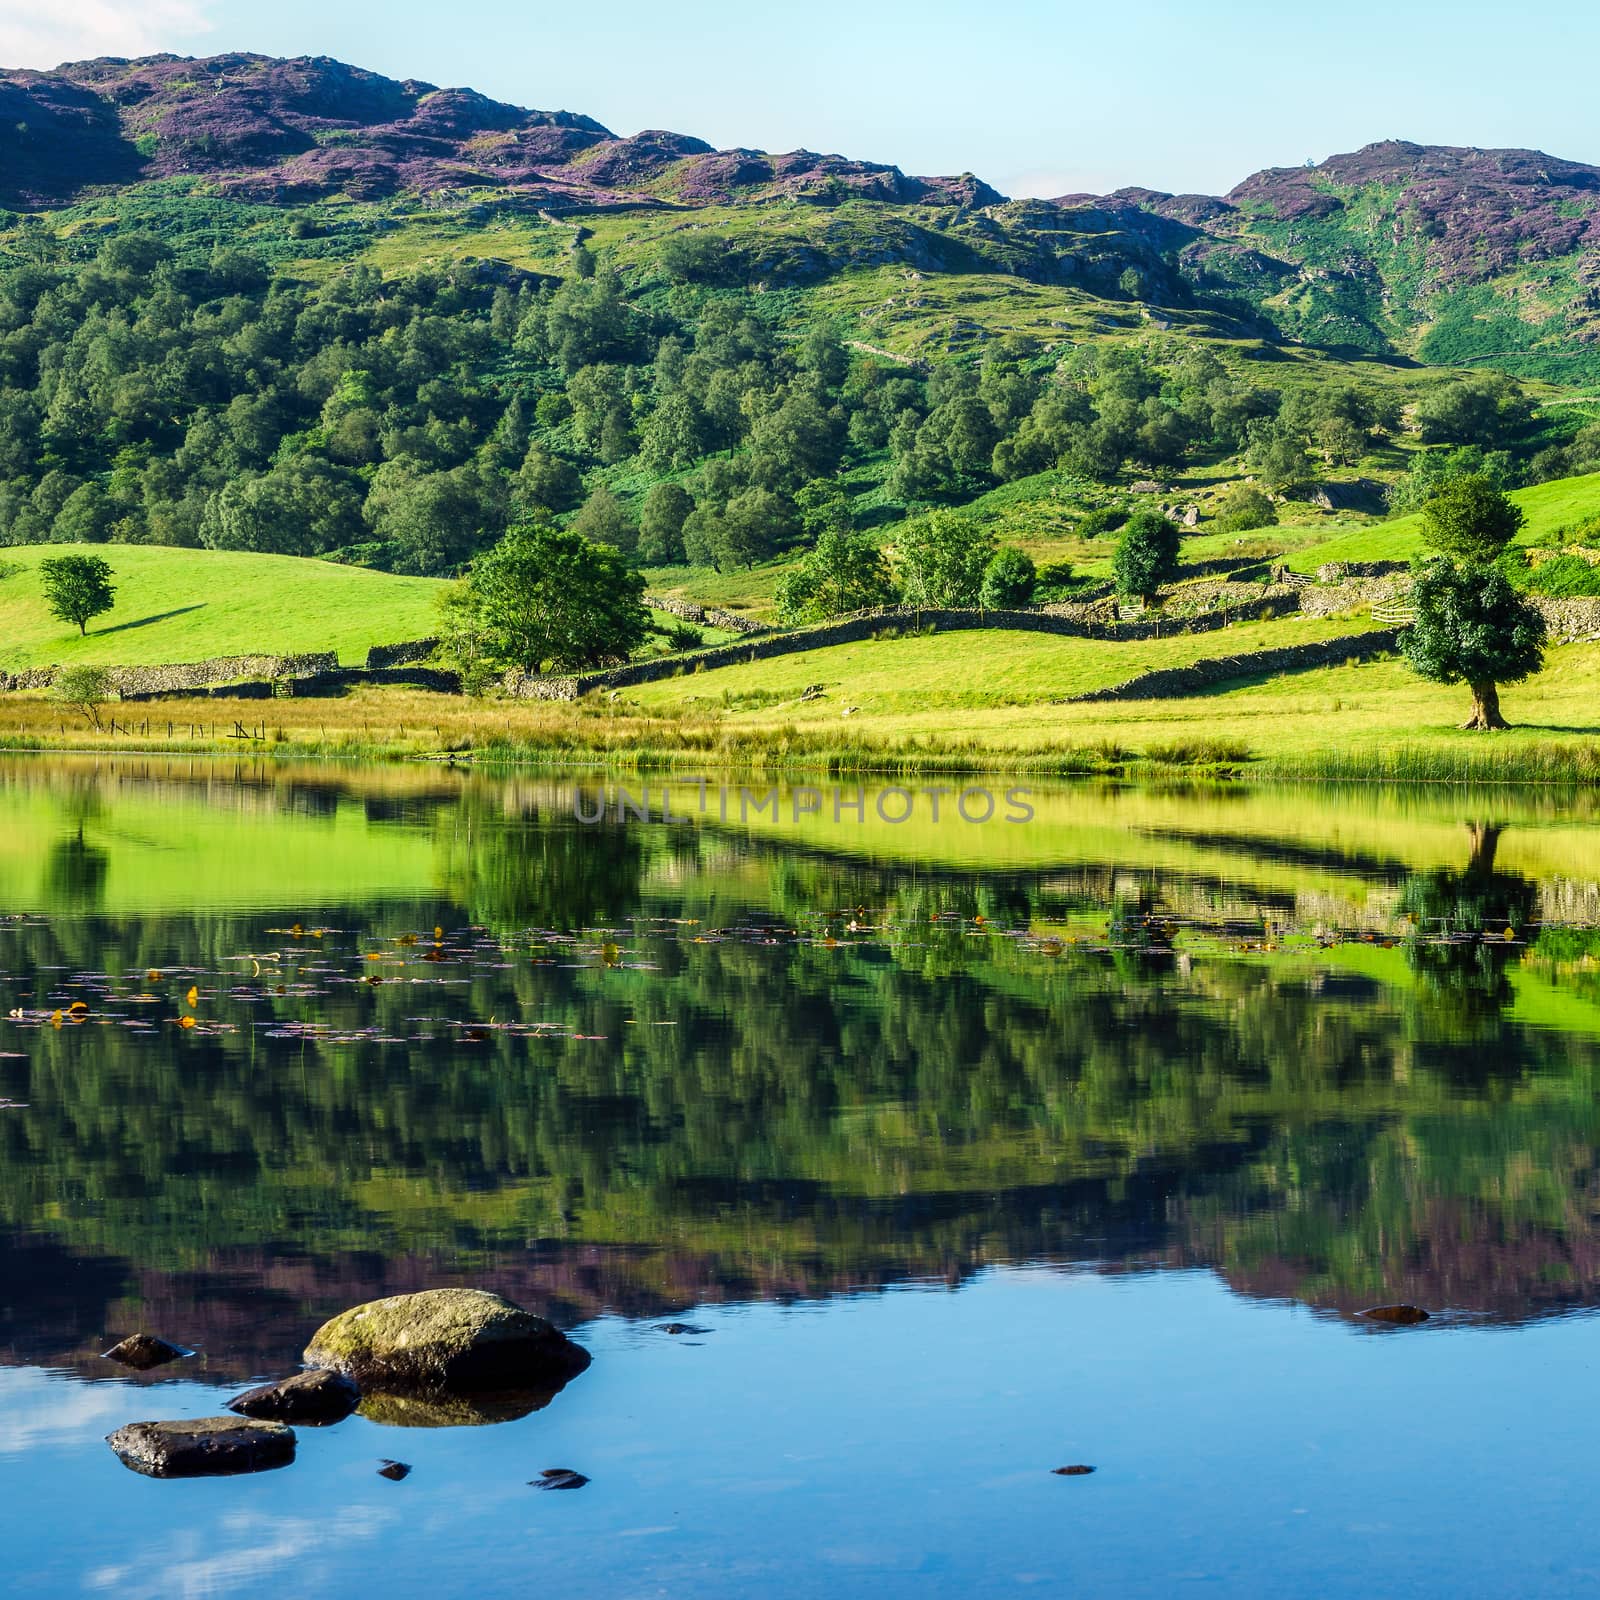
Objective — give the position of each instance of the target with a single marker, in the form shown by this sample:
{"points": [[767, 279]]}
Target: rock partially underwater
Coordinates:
{"points": [[203, 1448], [315, 1397], [456, 1340], [142, 1351]]}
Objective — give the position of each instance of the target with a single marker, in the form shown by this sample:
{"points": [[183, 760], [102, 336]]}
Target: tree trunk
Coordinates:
{"points": [[1485, 708]]}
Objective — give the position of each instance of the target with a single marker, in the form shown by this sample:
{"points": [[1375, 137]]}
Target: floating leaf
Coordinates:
{"points": [[185, 1022]]}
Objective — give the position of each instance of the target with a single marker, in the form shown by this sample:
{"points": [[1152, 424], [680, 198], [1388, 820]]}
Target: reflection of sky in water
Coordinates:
{"points": [[896, 1444]]}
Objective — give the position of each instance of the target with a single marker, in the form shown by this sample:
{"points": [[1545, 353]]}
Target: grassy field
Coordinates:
{"points": [[188, 605], [1549, 507]]}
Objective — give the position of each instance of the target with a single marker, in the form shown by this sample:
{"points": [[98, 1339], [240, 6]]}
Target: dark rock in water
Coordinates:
{"points": [[394, 1471], [559, 1478], [446, 1339], [680, 1327], [314, 1397], [143, 1351], [1077, 1471], [1401, 1316], [446, 1408], [208, 1447]]}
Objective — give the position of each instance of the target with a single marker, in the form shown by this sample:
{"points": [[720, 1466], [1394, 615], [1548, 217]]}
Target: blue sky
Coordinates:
{"points": [[1038, 98]]}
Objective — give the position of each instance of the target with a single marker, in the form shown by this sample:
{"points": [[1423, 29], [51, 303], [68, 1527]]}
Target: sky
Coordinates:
{"points": [[1037, 98]]}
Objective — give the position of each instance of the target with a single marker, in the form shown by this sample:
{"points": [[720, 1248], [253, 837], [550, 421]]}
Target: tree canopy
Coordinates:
{"points": [[548, 599]]}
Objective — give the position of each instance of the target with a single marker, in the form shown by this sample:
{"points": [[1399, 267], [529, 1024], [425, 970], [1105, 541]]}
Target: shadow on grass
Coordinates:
{"points": [[144, 622]]}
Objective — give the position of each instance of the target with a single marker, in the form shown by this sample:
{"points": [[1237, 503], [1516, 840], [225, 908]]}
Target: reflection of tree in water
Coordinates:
{"points": [[759, 1112], [1464, 935], [75, 873], [512, 872]]}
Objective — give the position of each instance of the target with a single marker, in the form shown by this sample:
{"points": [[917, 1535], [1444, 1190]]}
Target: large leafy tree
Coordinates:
{"points": [[1472, 627], [842, 573], [549, 598], [1147, 555], [77, 588], [942, 559]]}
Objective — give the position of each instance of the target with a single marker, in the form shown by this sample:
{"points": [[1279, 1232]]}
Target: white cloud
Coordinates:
{"points": [[75, 30]]}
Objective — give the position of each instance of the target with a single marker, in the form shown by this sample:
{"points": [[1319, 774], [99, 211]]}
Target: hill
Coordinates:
{"points": [[190, 605], [1443, 254]]}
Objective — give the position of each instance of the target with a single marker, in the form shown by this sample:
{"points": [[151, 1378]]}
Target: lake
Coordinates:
{"points": [[959, 1136]]}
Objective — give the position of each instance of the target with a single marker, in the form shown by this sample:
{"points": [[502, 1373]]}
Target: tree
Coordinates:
{"points": [[77, 588], [1472, 627], [840, 574], [85, 688], [546, 482], [1147, 555], [603, 519], [1486, 409], [661, 518], [1245, 507], [1008, 580], [942, 559], [1470, 519], [549, 598]]}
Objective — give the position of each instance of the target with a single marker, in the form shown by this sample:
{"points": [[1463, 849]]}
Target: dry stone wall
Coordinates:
{"points": [[1168, 683], [853, 630]]}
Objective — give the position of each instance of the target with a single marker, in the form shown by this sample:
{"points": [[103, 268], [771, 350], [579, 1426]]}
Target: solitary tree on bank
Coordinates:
{"points": [[1472, 627], [77, 588]]}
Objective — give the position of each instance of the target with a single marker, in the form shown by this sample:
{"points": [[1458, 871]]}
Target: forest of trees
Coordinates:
{"points": [[405, 422]]}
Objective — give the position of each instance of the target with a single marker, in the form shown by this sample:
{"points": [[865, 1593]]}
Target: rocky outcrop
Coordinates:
{"points": [[460, 1339], [314, 1397], [203, 1448], [288, 131]]}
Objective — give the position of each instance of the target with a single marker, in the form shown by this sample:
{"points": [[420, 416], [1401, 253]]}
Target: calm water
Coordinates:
{"points": [[969, 1150]]}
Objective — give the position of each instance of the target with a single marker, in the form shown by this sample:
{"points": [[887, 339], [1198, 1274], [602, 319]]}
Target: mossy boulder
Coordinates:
{"points": [[463, 1339]]}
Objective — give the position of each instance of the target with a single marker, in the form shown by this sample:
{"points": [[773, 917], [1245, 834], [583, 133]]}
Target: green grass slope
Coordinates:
{"points": [[1549, 507], [189, 605]]}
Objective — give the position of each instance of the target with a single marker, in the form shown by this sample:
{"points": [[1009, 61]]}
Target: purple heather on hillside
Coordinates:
{"points": [[290, 131]]}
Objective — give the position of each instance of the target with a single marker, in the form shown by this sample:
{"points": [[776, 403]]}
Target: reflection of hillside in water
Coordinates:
{"points": [[767, 1069]]}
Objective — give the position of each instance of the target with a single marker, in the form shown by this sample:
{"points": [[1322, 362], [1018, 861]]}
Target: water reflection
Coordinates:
{"points": [[1336, 1048]]}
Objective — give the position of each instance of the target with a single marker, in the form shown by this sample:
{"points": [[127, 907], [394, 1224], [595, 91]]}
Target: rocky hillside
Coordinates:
{"points": [[1453, 256], [292, 131]]}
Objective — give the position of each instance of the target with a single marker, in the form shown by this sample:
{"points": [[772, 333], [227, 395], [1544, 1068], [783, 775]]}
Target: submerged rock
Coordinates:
{"points": [[446, 1339], [1401, 1316], [394, 1471], [315, 1397], [207, 1447], [144, 1350], [1076, 1471], [559, 1478]]}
